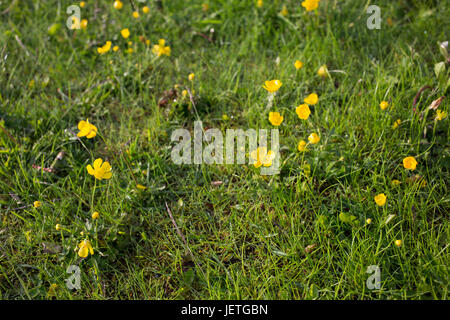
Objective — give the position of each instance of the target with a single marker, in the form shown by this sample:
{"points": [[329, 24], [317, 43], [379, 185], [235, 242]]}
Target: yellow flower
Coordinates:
{"points": [[135, 14], [262, 158], [410, 163], [205, 6], [298, 64], [380, 199], [118, 5], [105, 48], [312, 99], [398, 243], [323, 71], [384, 105], [85, 247], [275, 118], [101, 170], [272, 85], [95, 215], [396, 123], [145, 9], [284, 12], [115, 48], [259, 3], [87, 129], [313, 138], [225, 117], [310, 5], [302, 146], [303, 111], [82, 4], [52, 290], [58, 227], [75, 23], [184, 93], [83, 24], [161, 48], [395, 182], [37, 204], [141, 187], [191, 77], [440, 115], [125, 33], [129, 50], [369, 221]]}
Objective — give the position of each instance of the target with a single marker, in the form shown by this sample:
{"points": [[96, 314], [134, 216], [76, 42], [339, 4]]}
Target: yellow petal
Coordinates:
{"points": [[98, 163], [107, 175], [82, 124], [90, 170], [106, 166], [83, 252]]}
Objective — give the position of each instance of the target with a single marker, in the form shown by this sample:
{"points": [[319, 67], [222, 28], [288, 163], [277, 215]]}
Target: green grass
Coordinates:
{"points": [[247, 237]]}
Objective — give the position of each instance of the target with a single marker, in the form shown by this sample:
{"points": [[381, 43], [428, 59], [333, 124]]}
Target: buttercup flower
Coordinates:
{"points": [[52, 290], [75, 23], [83, 24], [275, 118], [312, 99], [380, 199], [191, 77], [37, 204], [440, 115], [262, 158], [118, 5], [395, 182], [161, 48], [323, 71], [85, 247], [87, 129], [82, 4], [135, 14], [303, 111], [384, 105], [58, 227], [310, 5], [396, 123], [145, 9], [105, 48], [101, 170], [125, 33], [398, 243], [115, 48], [284, 11], [298, 64], [369, 221], [95, 215], [313, 138], [410, 163], [259, 3], [302, 146], [141, 187], [272, 85]]}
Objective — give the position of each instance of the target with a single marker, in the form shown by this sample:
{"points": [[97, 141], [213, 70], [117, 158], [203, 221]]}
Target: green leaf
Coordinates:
{"points": [[439, 68]]}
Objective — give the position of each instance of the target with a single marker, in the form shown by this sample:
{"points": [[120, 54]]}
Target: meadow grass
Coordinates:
{"points": [[248, 236]]}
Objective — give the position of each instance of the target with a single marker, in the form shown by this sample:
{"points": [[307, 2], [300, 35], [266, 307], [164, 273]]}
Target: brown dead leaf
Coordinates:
{"points": [[311, 248]]}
